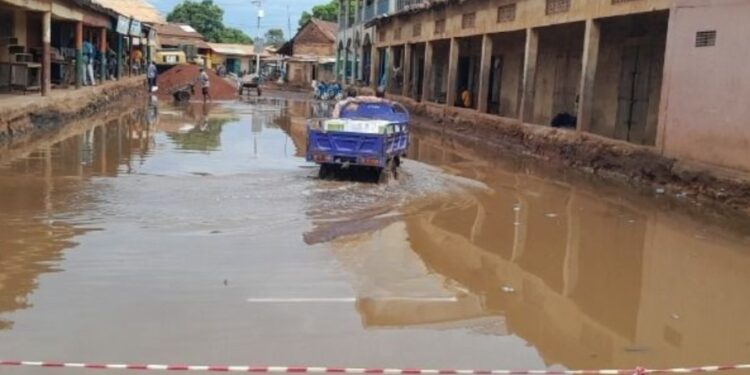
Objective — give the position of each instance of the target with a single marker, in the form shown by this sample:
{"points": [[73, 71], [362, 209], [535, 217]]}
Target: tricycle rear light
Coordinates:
{"points": [[321, 158], [370, 161]]}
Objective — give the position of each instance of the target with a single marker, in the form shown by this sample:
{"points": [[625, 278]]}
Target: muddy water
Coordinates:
{"points": [[199, 235]]}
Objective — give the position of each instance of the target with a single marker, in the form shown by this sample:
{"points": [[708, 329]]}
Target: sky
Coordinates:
{"points": [[243, 15]]}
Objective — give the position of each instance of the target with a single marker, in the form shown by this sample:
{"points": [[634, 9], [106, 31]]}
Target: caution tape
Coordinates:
{"points": [[349, 370]]}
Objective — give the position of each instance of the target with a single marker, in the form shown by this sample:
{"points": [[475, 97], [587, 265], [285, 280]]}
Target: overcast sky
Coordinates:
{"points": [[243, 15]]}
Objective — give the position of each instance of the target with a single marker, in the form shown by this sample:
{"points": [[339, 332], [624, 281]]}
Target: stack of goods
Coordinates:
{"points": [[356, 126]]}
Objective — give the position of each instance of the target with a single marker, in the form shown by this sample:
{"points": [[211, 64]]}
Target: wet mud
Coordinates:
{"points": [[637, 166]]}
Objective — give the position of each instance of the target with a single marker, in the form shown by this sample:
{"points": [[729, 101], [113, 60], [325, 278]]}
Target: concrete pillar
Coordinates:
{"points": [[346, 66], [103, 53], [79, 54], [588, 75], [406, 63], [337, 67], [484, 74], [130, 55], [374, 63], [427, 82], [387, 70], [118, 58], [452, 73], [529, 74], [46, 53]]}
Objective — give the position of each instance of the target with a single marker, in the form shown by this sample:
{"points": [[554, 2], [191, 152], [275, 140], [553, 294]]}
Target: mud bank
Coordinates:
{"points": [[636, 165], [49, 120], [24, 118]]}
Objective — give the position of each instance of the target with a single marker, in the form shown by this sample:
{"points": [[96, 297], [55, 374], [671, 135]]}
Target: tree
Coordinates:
{"points": [[207, 18], [275, 37], [232, 35], [325, 12]]}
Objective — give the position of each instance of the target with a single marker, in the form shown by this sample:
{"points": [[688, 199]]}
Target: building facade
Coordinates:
{"points": [[658, 73], [355, 39], [311, 53], [42, 42]]}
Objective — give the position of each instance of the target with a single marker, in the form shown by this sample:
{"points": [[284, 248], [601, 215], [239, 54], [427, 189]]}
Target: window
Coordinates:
{"points": [[416, 30], [397, 33], [381, 35], [6, 24], [621, 1], [439, 26], [506, 13], [557, 6], [468, 20], [705, 38]]}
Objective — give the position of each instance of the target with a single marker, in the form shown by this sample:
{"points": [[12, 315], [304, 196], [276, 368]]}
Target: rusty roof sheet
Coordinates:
{"points": [[330, 29], [173, 34], [141, 10], [232, 49]]}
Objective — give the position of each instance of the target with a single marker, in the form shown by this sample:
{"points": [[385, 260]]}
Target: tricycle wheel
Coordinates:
{"points": [[386, 173], [326, 171], [182, 96]]}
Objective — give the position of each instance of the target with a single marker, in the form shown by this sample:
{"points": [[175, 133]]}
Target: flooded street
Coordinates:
{"points": [[199, 235]]}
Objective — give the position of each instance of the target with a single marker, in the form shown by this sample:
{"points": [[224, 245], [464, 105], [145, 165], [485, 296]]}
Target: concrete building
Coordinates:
{"points": [[666, 74], [355, 39], [41, 41], [181, 37], [311, 52], [236, 58]]}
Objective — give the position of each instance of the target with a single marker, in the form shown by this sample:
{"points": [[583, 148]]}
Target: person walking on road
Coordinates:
{"points": [[151, 74], [205, 85]]}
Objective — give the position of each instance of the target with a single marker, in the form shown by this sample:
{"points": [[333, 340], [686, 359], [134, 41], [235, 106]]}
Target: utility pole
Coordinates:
{"points": [[288, 22], [258, 49]]}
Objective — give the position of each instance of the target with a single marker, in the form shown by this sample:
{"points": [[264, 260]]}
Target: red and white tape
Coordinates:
{"points": [[348, 370]]}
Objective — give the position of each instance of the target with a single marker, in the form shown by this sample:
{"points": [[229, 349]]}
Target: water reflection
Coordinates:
{"points": [[590, 280], [587, 276], [42, 187]]}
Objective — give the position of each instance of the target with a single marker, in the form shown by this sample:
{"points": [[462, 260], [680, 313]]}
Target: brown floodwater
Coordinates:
{"points": [[200, 235]]}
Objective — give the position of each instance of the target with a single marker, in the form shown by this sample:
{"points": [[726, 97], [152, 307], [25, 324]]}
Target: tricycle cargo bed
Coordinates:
{"points": [[373, 134]]}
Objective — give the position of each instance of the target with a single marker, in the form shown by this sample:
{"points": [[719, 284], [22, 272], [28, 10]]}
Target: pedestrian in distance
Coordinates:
{"points": [[205, 83], [151, 74], [89, 53]]}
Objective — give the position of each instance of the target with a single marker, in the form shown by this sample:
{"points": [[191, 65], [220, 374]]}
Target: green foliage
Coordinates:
{"points": [[208, 19], [325, 12], [275, 37], [232, 35]]}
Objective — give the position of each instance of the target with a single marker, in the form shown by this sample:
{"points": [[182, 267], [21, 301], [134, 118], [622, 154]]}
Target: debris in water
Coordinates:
{"points": [[675, 316], [551, 215], [637, 349], [660, 190], [226, 282], [508, 289]]}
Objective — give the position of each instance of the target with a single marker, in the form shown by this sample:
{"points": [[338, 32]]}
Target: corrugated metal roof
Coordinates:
{"points": [[172, 34], [141, 10], [235, 49]]}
